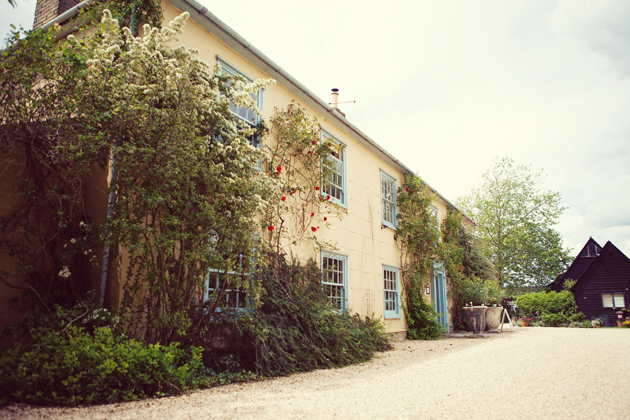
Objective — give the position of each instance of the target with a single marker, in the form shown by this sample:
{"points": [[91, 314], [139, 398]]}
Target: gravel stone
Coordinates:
{"points": [[541, 373]]}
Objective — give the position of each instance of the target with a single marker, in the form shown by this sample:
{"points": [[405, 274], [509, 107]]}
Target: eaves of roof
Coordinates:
{"points": [[202, 16]]}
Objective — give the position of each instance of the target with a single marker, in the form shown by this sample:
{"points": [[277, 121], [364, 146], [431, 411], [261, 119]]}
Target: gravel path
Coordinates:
{"points": [[534, 373]]}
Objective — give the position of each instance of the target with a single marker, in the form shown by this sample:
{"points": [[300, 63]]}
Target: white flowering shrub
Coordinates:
{"points": [[186, 196], [187, 192]]}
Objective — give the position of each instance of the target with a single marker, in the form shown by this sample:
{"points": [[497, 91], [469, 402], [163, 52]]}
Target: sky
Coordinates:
{"points": [[448, 86]]}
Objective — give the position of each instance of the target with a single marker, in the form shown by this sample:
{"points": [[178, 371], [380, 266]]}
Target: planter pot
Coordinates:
{"points": [[619, 323], [476, 318], [524, 322], [493, 317]]}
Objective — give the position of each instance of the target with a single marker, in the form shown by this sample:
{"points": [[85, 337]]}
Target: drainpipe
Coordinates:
{"points": [[112, 194], [66, 15]]}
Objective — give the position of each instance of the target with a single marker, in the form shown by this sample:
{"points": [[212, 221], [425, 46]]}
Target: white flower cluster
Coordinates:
{"points": [[65, 272]]}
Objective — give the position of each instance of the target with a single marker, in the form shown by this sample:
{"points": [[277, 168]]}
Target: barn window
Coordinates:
{"points": [[613, 300]]}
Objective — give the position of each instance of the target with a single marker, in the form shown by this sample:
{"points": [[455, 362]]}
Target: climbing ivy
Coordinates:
{"points": [[423, 243], [418, 236]]}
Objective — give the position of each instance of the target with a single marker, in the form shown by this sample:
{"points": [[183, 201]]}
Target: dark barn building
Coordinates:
{"points": [[602, 277]]}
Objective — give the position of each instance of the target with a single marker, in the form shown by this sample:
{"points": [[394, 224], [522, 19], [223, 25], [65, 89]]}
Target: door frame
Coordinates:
{"points": [[439, 297]]}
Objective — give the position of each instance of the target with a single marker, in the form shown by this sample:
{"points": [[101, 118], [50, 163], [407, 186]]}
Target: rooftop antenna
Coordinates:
{"points": [[334, 100]]}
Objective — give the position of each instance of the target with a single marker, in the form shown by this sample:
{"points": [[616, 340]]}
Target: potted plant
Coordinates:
{"points": [[597, 322], [480, 293], [495, 295], [620, 319], [525, 321], [476, 316]]}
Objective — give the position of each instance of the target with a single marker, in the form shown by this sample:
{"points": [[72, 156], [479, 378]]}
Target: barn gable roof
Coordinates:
{"points": [[582, 261]]}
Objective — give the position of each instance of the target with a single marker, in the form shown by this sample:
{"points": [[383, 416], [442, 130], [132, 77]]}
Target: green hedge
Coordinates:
{"points": [[554, 308], [75, 367]]}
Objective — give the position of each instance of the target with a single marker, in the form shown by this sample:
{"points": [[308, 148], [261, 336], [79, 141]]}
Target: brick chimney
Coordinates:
{"points": [[47, 10]]}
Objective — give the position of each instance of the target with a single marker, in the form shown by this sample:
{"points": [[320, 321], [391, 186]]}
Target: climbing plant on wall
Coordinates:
{"points": [[423, 243], [418, 236], [298, 209]]}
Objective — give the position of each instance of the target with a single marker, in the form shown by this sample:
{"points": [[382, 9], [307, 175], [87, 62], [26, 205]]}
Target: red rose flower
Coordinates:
{"points": [[310, 152], [293, 192], [270, 228], [279, 168], [325, 218], [313, 228], [284, 198], [328, 197], [406, 188], [314, 141], [316, 188]]}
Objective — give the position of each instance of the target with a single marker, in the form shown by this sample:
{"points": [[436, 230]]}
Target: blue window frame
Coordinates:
{"points": [[244, 115], [235, 298], [334, 180], [335, 279], [391, 292], [388, 200], [232, 298]]}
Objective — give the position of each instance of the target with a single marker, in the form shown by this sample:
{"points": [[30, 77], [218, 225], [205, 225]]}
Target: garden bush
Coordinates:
{"points": [[296, 329], [75, 367], [547, 302], [554, 320], [422, 320], [479, 291], [553, 308]]}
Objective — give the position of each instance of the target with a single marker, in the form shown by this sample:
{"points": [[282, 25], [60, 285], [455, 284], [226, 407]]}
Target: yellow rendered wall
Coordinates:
{"points": [[360, 234]]}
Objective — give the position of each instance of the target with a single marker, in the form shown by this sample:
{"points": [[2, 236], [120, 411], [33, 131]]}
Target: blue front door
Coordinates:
{"points": [[439, 298]]}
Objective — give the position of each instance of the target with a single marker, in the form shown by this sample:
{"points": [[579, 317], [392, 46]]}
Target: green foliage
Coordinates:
{"points": [[554, 320], [480, 291], [568, 284], [161, 118], [88, 313], [419, 236], [516, 220], [562, 303], [422, 320], [75, 367], [417, 230], [462, 258], [296, 329]]}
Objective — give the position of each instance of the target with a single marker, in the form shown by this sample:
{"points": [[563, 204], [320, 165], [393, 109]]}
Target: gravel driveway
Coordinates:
{"points": [[534, 373]]}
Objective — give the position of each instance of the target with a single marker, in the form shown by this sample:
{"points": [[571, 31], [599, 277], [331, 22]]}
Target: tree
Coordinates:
{"points": [[186, 195], [515, 222]]}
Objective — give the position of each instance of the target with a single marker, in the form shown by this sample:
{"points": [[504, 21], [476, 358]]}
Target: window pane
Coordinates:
{"points": [[390, 289], [388, 199], [334, 280], [619, 301], [333, 171], [607, 301]]}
